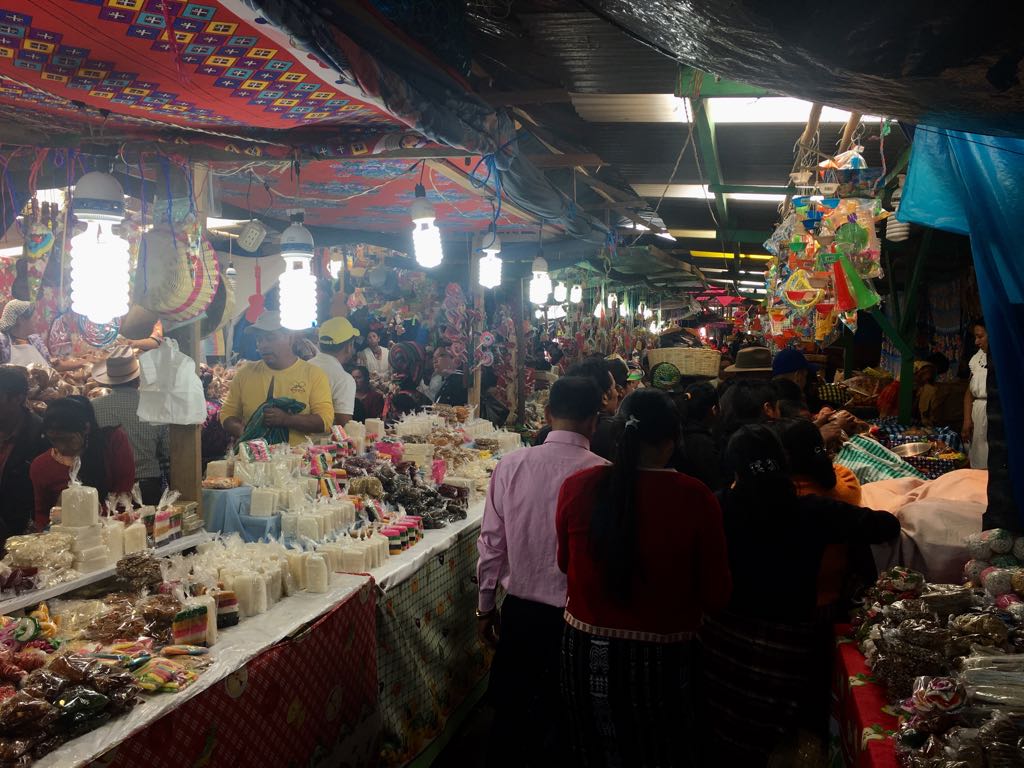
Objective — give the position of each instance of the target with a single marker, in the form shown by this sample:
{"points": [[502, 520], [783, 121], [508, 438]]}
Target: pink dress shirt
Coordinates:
{"points": [[518, 544]]}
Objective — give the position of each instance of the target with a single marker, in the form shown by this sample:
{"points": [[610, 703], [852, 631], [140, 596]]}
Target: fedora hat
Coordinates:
{"points": [[120, 368], [752, 360]]}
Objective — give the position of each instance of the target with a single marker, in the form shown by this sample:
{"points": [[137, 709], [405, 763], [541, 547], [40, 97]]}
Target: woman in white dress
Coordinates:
{"points": [[976, 399]]}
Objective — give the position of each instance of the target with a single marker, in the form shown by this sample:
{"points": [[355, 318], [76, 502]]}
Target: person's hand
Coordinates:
{"points": [[967, 433], [845, 420], [275, 417], [488, 629], [824, 416], [832, 434]]}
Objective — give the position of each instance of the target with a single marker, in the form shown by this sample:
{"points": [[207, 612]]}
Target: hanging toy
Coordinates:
{"points": [[864, 296], [256, 301], [799, 293]]}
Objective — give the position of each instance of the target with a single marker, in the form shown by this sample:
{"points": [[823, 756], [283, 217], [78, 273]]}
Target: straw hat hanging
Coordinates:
{"points": [[178, 277]]}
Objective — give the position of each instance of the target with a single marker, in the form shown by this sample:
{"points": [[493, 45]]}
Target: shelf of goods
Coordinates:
{"points": [[34, 596]]}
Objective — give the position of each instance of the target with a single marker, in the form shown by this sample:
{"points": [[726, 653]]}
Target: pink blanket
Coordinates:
{"points": [[936, 517]]}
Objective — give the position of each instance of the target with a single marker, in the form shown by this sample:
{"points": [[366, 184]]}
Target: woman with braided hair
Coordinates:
{"points": [[644, 553]]}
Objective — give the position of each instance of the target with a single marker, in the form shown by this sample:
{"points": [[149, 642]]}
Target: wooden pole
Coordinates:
{"points": [[851, 125], [517, 315], [186, 474]]}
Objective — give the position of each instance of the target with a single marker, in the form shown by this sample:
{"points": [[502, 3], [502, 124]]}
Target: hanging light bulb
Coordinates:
{"points": [[99, 257], [561, 292], [576, 294], [540, 285], [426, 237], [490, 264], [623, 310], [612, 300], [557, 312], [599, 310], [297, 284], [653, 328], [539, 314]]}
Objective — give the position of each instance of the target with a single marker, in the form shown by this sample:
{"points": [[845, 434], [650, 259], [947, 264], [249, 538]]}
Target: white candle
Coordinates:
{"points": [[308, 527], [80, 505], [264, 502], [246, 585], [297, 567], [353, 560]]}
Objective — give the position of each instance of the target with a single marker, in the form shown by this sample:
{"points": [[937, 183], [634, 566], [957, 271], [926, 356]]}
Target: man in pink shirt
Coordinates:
{"points": [[518, 550]]}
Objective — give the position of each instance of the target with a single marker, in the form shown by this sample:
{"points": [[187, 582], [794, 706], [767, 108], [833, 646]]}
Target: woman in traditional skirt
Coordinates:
{"points": [[644, 552], [766, 659]]}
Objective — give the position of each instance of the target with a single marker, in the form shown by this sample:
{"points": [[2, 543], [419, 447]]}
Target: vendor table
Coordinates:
{"points": [[862, 720], [428, 656], [227, 511], [296, 685]]}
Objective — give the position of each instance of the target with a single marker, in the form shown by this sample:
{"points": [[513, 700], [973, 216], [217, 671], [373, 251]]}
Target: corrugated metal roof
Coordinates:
{"points": [[599, 58]]}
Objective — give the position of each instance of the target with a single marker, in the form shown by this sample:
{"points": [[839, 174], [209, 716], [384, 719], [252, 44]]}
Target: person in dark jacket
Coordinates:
{"points": [[698, 454], [21, 440]]}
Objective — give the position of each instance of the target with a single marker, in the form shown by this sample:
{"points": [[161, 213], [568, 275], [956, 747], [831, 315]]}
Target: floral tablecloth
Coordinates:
{"points": [[862, 720]]}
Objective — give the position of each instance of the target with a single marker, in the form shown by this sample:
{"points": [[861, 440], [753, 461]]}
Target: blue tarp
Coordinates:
{"points": [[973, 184]]}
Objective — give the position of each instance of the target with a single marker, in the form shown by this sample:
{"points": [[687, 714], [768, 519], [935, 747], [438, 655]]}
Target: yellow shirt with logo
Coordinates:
{"points": [[300, 381]]}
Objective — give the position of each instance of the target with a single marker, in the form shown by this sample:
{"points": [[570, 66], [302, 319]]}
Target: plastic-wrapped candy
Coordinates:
{"points": [[987, 628], [44, 684], [938, 694], [901, 581], [978, 547], [1017, 581], [1005, 601], [999, 539], [1005, 561], [997, 581], [24, 714], [973, 570]]}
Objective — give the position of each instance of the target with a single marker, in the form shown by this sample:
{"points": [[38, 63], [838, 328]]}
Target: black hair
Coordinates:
{"points": [[364, 369], [698, 403], [618, 369], [574, 398], [979, 321], [793, 409], [758, 460], [805, 449], [743, 403], [939, 361], [13, 382], [787, 389], [649, 417], [75, 414], [488, 378], [594, 369]]}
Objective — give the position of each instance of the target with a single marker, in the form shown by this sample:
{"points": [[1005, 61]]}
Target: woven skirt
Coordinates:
{"points": [[628, 702]]}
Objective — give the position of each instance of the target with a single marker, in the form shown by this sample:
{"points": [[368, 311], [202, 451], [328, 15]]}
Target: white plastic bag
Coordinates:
{"points": [[170, 391]]}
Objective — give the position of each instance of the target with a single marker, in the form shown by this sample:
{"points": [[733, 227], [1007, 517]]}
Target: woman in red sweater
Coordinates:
{"points": [[107, 461], [644, 551]]}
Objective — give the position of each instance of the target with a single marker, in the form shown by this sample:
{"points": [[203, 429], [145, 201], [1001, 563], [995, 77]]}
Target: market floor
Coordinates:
{"points": [[468, 746]]}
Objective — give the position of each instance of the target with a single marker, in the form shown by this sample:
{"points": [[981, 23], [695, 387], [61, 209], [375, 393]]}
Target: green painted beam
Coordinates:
{"points": [[707, 148], [710, 86]]}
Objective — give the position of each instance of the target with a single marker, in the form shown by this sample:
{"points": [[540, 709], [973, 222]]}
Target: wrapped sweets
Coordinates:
{"points": [[218, 468], [289, 525], [113, 539], [80, 506], [997, 581], [311, 486], [227, 608], [295, 497], [332, 554], [353, 559], [209, 603], [308, 527], [999, 539], [189, 626], [1016, 580], [297, 567], [317, 574], [254, 450], [264, 502], [394, 536], [374, 428], [134, 538]]}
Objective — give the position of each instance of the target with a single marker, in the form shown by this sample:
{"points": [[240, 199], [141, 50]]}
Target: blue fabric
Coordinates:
{"points": [[228, 512], [974, 184]]}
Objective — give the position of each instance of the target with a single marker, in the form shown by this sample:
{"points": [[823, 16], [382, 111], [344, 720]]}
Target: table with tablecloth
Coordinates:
{"points": [[428, 656], [863, 722], [296, 685], [227, 511]]}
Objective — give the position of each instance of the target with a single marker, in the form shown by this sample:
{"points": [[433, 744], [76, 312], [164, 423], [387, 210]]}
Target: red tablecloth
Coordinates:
{"points": [[862, 720], [310, 700]]}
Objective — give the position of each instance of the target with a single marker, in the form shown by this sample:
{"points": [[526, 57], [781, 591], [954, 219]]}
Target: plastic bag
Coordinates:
{"points": [[170, 391]]}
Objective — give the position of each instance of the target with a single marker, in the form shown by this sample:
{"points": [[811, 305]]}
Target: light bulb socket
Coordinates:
{"points": [[98, 197]]}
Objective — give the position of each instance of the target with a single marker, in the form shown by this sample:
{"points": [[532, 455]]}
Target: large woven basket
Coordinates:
{"points": [[691, 361]]}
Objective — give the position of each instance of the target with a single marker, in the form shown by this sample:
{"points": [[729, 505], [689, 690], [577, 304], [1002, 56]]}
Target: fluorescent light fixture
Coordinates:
{"points": [[751, 282], [720, 255], [12, 252], [630, 107], [665, 236], [754, 197], [696, 234], [772, 109], [679, 191], [213, 222]]}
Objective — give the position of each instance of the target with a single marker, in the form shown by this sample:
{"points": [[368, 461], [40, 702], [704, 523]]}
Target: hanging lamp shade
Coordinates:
{"points": [[100, 260]]}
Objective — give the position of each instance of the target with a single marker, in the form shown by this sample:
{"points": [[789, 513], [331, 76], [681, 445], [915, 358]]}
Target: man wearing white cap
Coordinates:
{"points": [[278, 374], [150, 442], [337, 346]]}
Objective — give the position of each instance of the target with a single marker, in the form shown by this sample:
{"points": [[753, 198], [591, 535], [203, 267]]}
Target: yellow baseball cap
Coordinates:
{"points": [[337, 330]]}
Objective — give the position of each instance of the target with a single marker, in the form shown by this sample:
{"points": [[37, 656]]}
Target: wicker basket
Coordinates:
{"points": [[691, 361]]}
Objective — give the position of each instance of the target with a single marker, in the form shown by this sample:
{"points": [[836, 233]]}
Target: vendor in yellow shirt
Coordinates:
{"points": [[280, 373]]}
